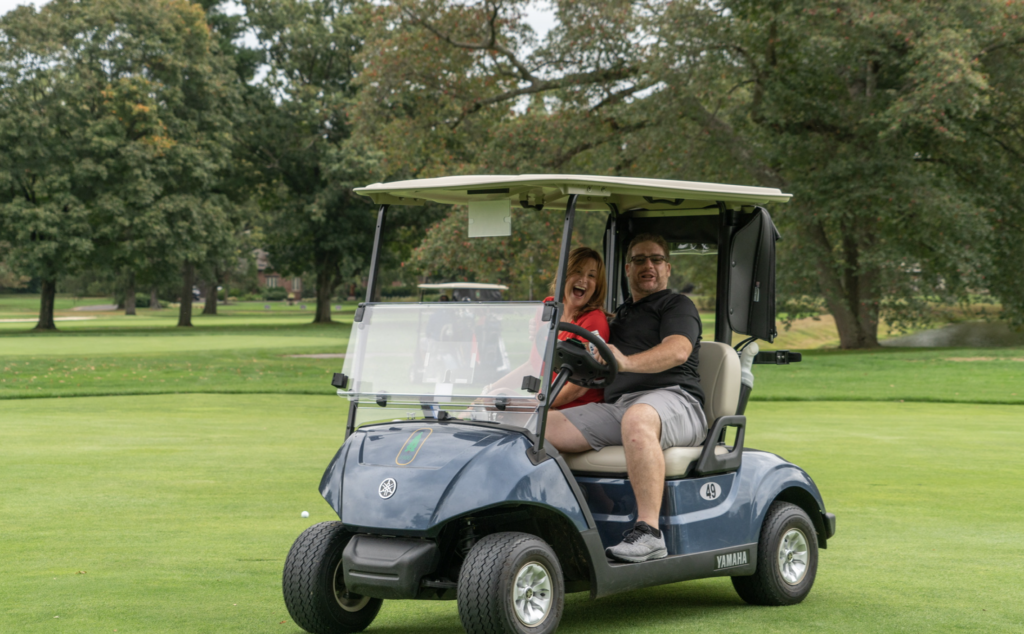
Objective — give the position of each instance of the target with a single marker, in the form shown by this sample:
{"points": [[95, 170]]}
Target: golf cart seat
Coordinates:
{"points": [[720, 379]]}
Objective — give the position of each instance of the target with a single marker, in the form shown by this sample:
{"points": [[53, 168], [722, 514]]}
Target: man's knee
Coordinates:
{"points": [[641, 424]]}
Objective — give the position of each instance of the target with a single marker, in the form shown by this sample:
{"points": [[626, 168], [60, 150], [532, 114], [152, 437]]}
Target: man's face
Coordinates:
{"points": [[645, 275]]}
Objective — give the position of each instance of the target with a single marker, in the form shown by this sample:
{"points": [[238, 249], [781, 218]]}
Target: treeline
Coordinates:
{"points": [[161, 138]]}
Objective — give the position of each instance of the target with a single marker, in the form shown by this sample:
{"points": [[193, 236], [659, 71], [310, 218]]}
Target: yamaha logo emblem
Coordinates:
{"points": [[387, 488]]}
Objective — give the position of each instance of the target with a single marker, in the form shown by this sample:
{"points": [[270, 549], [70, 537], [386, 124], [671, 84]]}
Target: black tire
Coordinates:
{"points": [[487, 580], [769, 586], [314, 586]]}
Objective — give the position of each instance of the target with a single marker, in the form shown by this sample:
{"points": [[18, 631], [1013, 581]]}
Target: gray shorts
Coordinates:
{"points": [[682, 418]]}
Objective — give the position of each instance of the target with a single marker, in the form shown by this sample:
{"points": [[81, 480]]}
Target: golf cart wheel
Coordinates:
{"points": [[511, 583], [787, 559], [314, 585]]}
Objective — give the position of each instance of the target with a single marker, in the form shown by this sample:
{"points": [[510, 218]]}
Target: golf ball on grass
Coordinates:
{"points": [[305, 514]]}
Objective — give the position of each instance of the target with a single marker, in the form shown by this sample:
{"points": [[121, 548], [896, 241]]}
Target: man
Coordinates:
{"points": [[655, 403]]}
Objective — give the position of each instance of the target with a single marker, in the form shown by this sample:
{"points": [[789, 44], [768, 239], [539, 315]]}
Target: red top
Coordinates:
{"points": [[595, 322]]}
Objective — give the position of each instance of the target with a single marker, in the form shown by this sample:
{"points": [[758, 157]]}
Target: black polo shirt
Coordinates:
{"points": [[641, 325]]}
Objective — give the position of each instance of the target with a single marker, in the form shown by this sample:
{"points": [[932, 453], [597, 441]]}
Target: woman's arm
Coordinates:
{"points": [[569, 394]]}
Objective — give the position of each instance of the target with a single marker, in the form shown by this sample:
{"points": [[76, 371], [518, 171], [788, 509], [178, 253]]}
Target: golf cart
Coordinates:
{"points": [[465, 291], [446, 489]]}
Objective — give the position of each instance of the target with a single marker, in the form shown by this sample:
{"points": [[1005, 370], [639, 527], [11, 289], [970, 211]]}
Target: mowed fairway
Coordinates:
{"points": [[174, 513], [153, 480]]}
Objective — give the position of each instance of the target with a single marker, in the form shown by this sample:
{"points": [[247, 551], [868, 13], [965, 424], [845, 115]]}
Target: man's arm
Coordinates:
{"points": [[673, 351]]}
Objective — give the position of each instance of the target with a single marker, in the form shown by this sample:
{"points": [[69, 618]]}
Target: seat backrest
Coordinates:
{"points": [[719, 367]]}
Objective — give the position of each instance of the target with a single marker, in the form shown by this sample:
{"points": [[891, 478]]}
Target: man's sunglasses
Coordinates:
{"points": [[638, 260]]}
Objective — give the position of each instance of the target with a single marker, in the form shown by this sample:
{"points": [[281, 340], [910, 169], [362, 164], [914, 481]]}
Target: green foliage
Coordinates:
{"points": [[275, 294], [115, 112], [143, 138], [302, 144], [895, 125]]}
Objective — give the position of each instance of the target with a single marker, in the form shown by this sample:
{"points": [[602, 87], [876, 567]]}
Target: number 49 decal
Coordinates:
{"points": [[710, 491]]}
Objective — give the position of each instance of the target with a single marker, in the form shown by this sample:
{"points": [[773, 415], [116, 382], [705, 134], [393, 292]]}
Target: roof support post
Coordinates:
{"points": [[371, 281], [611, 267], [555, 314], [563, 256], [726, 228]]}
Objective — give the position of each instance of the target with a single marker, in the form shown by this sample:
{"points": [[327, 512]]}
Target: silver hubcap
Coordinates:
{"points": [[531, 594], [793, 556], [349, 601]]}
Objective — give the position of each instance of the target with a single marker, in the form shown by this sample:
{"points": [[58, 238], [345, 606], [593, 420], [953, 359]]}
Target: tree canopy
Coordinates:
{"points": [[115, 119], [135, 135], [877, 116]]}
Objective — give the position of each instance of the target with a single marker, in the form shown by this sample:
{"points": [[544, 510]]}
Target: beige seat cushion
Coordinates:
{"points": [[612, 460], [719, 378]]}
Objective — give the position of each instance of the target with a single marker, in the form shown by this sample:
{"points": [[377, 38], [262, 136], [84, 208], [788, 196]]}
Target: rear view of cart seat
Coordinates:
{"points": [[720, 379]]}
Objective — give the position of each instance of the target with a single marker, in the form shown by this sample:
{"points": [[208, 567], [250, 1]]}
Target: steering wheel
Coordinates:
{"points": [[586, 370]]}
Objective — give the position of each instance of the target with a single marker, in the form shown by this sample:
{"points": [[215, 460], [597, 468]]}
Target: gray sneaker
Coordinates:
{"points": [[639, 544]]}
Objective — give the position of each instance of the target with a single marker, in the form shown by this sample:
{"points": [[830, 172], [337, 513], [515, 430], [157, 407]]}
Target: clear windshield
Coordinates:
{"points": [[447, 352]]}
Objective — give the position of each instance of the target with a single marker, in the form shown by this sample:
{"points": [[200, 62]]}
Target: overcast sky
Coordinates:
{"points": [[540, 15]]}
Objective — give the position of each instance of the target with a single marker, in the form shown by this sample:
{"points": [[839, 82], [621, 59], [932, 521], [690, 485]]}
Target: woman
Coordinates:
{"points": [[585, 290]]}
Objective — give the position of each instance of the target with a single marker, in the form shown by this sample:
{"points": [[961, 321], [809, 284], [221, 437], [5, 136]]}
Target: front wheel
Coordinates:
{"points": [[314, 584], [511, 583], [787, 559]]}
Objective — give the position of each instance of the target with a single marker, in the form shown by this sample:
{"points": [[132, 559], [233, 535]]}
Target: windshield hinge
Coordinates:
{"points": [[382, 400], [531, 384], [359, 313], [339, 381], [549, 312]]}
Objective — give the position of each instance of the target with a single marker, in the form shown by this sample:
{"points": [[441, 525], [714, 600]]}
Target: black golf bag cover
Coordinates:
{"points": [[752, 277]]}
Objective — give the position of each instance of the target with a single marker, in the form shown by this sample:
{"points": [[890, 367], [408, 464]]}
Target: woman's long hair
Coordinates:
{"points": [[577, 260]]}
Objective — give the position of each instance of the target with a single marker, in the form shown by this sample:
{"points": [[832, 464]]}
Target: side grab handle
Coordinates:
{"points": [[711, 463]]}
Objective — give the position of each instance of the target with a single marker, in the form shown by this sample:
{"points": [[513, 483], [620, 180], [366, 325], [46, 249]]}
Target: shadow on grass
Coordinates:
{"points": [[673, 607]]}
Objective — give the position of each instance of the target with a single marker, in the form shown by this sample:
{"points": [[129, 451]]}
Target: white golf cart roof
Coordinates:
{"points": [[463, 285], [551, 190]]}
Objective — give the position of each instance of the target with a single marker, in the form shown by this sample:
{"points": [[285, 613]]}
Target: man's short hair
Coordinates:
{"points": [[648, 237]]}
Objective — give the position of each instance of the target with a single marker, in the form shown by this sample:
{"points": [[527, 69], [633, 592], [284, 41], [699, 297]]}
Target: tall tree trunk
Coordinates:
{"points": [[185, 312], [210, 308], [49, 292], [129, 294], [325, 286], [846, 297], [154, 299]]}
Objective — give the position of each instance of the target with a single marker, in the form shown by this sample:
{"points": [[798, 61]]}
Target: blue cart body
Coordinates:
{"points": [[457, 473]]}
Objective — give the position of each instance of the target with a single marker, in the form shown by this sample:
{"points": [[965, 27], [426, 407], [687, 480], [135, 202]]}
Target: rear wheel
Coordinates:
{"points": [[787, 559], [511, 583], [314, 586]]}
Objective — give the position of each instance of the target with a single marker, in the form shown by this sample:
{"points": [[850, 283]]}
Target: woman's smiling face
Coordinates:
{"points": [[580, 286]]}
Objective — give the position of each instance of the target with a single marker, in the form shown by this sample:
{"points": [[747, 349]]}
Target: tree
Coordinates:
{"points": [[114, 137], [46, 164], [304, 147], [857, 108]]}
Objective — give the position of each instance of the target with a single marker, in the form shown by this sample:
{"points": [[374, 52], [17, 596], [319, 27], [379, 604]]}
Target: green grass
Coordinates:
{"points": [[225, 360], [946, 375], [25, 309], [172, 509], [180, 509]]}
